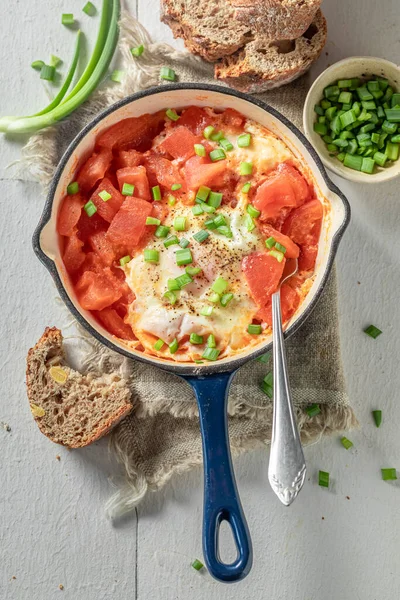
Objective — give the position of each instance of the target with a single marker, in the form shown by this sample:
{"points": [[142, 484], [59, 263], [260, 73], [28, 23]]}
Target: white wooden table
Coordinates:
{"points": [[341, 543]]}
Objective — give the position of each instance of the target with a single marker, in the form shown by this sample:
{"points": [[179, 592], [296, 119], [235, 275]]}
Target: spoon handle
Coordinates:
{"points": [[287, 468]]}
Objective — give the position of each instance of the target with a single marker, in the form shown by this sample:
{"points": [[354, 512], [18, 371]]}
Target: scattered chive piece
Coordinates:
{"points": [[211, 343], [124, 260], [54, 61], [195, 339], [244, 140], [162, 231], [208, 132], [249, 222], [220, 220], [104, 195], [184, 243], [246, 187], [202, 193], [176, 186], [171, 241], [193, 270], [372, 331], [67, 19], [151, 256], [138, 51], [167, 74], [226, 144], [73, 188], [206, 207], [172, 114], [254, 329], [377, 414], [89, 9], [199, 362], [173, 285], [183, 280], [171, 200], [211, 353], [37, 65], [219, 286], [156, 192], [323, 479], [127, 189], [173, 346], [47, 72], [180, 223], [199, 150], [215, 199], [201, 236], [346, 443], [217, 136], [226, 298], [313, 410], [197, 210], [117, 75], [264, 358], [246, 168], [278, 255], [210, 224], [280, 248], [170, 296], [217, 154], [196, 564], [253, 212], [389, 474], [159, 344], [226, 231], [183, 257], [270, 242], [153, 221], [90, 208], [214, 298]]}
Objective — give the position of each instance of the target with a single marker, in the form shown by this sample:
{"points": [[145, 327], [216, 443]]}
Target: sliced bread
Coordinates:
{"points": [[71, 409], [262, 65], [208, 28], [276, 19]]}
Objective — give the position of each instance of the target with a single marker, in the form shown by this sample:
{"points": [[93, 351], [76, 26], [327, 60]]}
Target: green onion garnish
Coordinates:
{"points": [[127, 189], [183, 257], [389, 474], [244, 140], [151, 256], [264, 358], [67, 19], [162, 231], [313, 410], [90, 208], [171, 200], [219, 286], [246, 187], [195, 339], [37, 65], [173, 285], [346, 443], [270, 242], [197, 210], [173, 346], [249, 222], [323, 479], [199, 150], [254, 329], [209, 224], [267, 384], [253, 212], [202, 193], [138, 51], [104, 195], [159, 344], [196, 564], [89, 9], [211, 343], [176, 186], [208, 132], [220, 220], [156, 193], [167, 74], [180, 223], [215, 199], [183, 280], [117, 76], [184, 243], [278, 255], [226, 298], [206, 207], [372, 331], [217, 136], [226, 144], [73, 188], [54, 61], [192, 271], [217, 154], [170, 241], [152, 221], [172, 114], [377, 414], [280, 248], [170, 296], [124, 260], [211, 353], [214, 298], [246, 168], [47, 72], [201, 236]]}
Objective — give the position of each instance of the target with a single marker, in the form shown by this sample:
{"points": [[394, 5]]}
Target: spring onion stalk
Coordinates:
{"points": [[153, 221], [171, 240], [156, 192], [192, 271], [201, 236], [219, 286], [151, 256], [211, 343], [89, 80], [254, 329], [377, 414], [195, 339], [197, 210], [159, 344], [183, 280], [173, 346], [211, 353], [89, 9], [162, 231], [226, 298], [183, 257]]}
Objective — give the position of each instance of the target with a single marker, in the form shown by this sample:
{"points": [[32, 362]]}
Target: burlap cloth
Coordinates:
{"points": [[161, 437]]}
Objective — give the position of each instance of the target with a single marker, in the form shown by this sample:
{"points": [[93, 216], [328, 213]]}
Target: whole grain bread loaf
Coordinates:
{"points": [[70, 408], [262, 65], [276, 19], [208, 28]]}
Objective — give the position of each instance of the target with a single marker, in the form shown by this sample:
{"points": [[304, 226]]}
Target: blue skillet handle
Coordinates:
{"points": [[221, 498]]}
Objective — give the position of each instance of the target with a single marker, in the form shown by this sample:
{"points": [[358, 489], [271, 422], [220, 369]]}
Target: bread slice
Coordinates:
{"points": [[262, 65], [71, 409], [207, 27], [276, 19]]}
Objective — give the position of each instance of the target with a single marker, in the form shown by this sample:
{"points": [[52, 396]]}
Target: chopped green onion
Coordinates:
{"points": [[323, 479], [226, 144], [117, 76], [313, 410], [199, 150], [47, 72], [395, 100], [162, 231], [170, 296], [225, 230], [344, 83], [246, 187], [364, 94], [217, 154], [380, 158], [89, 9], [392, 151], [138, 51], [215, 199], [211, 343], [369, 105], [171, 241], [124, 260], [176, 186], [210, 224], [184, 243], [211, 353], [90, 208], [249, 222], [280, 248], [156, 192], [197, 210], [219, 286], [206, 207], [270, 242], [253, 212], [167, 74], [346, 443], [201, 236], [173, 346], [320, 128], [67, 19], [372, 331], [180, 223], [159, 344], [37, 65], [183, 280], [219, 220], [127, 189], [214, 298], [389, 474], [104, 195], [244, 140], [226, 298], [217, 136], [353, 162], [152, 221], [208, 132], [183, 257], [151, 256], [245, 168], [267, 389], [73, 188], [264, 358], [392, 115], [203, 193], [278, 255], [348, 118], [367, 165], [254, 329], [395, 139], [195, 339], [54, 61], [345, 97], [173, 285], [193, 271], [171, 200], [172, 114], [332, 92], [377, 414]]}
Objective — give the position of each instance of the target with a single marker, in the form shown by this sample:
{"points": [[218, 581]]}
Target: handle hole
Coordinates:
{"points": [[228, 551]]}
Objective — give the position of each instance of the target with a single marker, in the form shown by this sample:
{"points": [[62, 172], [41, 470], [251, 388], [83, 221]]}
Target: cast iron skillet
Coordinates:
{"points": [[211, 381]]}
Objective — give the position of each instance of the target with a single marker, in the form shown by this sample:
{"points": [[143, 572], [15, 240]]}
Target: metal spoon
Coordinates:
{"points": [[287, 468]]}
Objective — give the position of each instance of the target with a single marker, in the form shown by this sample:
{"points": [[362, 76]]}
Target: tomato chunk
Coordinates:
{"points": [[129, 158], [73, 255], [94, 169], [232, 118], [69, 214], [115, 324], [307, 258], [283, 189], [136, 176], [200, 171], [290, 300], [180, 143], [129, 224], [109, 208], [163, 172], [97, 290], [292, 250], [196, 119], [303, 225], [136, 133], [102, 247], [263, 274]]}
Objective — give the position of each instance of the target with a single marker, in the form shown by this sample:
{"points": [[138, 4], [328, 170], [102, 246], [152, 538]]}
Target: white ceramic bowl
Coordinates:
{"points": [[355, 66]]}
